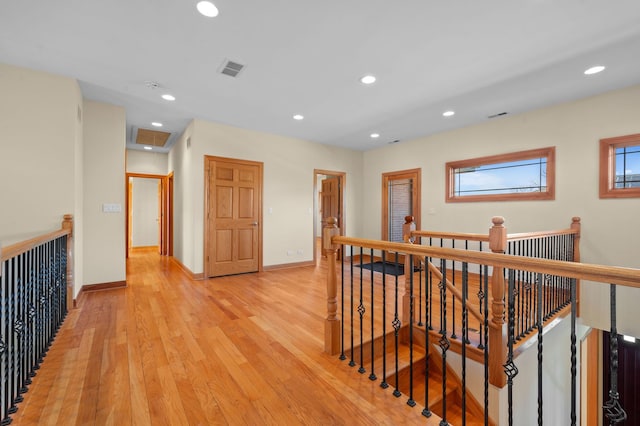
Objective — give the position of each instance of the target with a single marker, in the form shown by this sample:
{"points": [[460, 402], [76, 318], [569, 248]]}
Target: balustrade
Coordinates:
{"points": [[36, 292], [516, 297]]}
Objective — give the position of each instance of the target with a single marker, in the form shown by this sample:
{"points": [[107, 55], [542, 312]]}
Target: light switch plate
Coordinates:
{"points": [[111, 208]]}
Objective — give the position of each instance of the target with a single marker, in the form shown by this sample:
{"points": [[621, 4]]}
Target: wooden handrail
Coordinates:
{"points": [[628, 277], [485, 237], [18, 248], [451, 235], [457, 294], [66, 228]]}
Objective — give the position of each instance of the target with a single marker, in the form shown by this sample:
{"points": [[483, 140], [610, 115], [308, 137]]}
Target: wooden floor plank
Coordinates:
{"points": [[238, 350]]}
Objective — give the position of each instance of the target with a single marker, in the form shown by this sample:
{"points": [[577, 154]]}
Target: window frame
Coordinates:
{"points": [[549, 153], [607, 179]]}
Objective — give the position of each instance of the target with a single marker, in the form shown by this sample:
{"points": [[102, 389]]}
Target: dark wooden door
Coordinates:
{"points": [[628, 377]]}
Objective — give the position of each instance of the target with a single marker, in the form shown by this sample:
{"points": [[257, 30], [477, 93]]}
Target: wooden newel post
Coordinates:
{"points": [[67, 223], [498, 330], [576, 226], [408, 227], [332, 322]]}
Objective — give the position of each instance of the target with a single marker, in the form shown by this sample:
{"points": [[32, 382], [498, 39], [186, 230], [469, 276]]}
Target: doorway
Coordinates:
{"points": [[233, 216], [400, 198], [329, 201], [149, 206]]}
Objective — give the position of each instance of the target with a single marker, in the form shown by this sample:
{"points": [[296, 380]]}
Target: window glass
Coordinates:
{"points": [[627, 161], [620, 167], [525, 175]]}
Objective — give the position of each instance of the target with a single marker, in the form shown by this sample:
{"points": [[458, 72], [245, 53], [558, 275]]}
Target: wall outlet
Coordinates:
{"points": [[289, 252], [300, 251]]}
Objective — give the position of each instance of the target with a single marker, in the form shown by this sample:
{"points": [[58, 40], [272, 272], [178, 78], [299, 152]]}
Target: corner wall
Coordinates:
{"points": [[41, 151], [104, 182]]}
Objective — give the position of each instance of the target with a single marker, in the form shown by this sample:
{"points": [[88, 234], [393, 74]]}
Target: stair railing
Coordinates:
{"points": [[36, 292], [499, 351], [562, 244]]}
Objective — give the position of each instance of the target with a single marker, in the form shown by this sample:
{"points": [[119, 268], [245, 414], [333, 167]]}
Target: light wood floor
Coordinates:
{"points": [[241, 350]]}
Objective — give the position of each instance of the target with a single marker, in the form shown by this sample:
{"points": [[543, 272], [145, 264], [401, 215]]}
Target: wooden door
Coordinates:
{"points": [[234, 210], [159, 219], [330, 196], [330, 201], [400, 198]]}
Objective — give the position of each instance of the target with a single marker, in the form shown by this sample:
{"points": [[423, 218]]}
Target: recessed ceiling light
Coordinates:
{"points": [[156, 124], [375, 135], [168, 97], [368, 79], [448, 113], [594, 70], [148, 148], [207, 8], [298, 117]]}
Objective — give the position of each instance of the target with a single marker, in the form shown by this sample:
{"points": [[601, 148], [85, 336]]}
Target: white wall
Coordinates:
{"points": [[40, 148], [288, 187], [144, 212], [153, 163], [38, 124], [104, 183], [609, 227]]}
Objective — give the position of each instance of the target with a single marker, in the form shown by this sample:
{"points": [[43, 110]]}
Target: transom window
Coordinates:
{"points": [[620, 167], [524, 175]]}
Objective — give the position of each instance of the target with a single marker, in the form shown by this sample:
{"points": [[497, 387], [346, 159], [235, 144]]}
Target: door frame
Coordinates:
{"points": [[416, 175], [165, 242], [341, 220], [207, 230]]}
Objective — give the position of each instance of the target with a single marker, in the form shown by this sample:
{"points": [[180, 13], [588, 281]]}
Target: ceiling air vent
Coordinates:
{"points": [[231, 68], [497, 115]]}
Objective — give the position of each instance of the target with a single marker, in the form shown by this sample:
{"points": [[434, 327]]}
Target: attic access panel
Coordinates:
{"points": [[152, 137]]}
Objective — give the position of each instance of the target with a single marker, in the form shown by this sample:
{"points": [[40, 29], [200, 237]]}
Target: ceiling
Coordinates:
{"points": [[306, 57]]}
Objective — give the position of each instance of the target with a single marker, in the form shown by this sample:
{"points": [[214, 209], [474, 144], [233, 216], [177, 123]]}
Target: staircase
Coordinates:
{"points": [[424, 359]]}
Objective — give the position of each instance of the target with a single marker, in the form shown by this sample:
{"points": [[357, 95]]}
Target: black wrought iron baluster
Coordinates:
{"points": [[519, 306], [574, 362], [430, 297], [453, 299], [510, 368], [411, 402], [485, 268], [23, 322], [372, 375], [42, 305], [13, 339], [352, 362], [465, 338], [612, 408], [420, 270], [444, 342], [481, 300], [31, 316], [426, 411], [5, 344], [396, 327], [540, 323], [361, 311], [384, 383]]}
